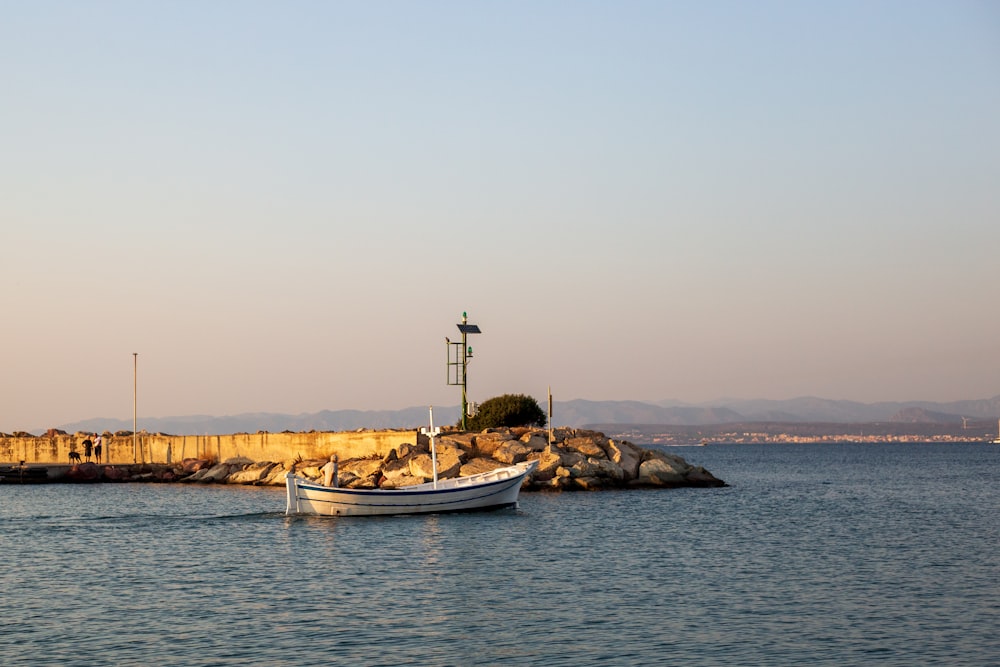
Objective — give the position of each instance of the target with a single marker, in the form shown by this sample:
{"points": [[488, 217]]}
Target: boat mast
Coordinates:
{"points": [[431, 432]]}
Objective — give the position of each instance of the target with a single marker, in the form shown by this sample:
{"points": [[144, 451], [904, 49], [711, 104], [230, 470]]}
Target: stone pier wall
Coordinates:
{"points": [[155, 448]]}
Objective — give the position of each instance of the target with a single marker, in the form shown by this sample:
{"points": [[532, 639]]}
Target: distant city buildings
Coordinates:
{"points": [[758, 437]]}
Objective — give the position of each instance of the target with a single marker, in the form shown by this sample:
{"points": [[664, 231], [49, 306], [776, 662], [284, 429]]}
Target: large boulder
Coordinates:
{"points": [[191, 466], [450, 449], [588, 446], [252, 474], [488, 442], [698, 476], [548, 460], [598, 469], [239, 461], [536, 442], [511, 451], [276, 477], [463, 441], [394, 470], [626, 455], [479, 465], [448, 464], [362, 468], [658, 471], [606, 470], [216, 474], [401, 480]]}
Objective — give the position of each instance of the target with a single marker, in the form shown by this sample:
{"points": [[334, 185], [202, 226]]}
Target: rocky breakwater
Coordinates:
{"points": [[574, 460]]}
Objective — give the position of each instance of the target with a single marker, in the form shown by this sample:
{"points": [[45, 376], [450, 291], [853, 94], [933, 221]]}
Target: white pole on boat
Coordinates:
{"points": [[431, 432]]}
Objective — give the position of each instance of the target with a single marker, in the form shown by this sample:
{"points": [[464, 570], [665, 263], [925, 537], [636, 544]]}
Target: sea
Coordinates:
{"points": [[819, 554]]}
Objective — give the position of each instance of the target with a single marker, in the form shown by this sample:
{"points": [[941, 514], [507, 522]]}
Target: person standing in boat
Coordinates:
{"points": [[330, 472], [98, 446]]}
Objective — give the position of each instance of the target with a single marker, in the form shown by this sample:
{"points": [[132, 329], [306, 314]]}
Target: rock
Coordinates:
{"points": [[479, 465], [606, 470], [563, 471], [598, 469], [560, 482], [310, 469], [361, 467], [488, 442], [238, 461], [589, 483], [511, 452], [191, 466], [448, 465], [548, 460], [587, 446], [563, 433], [535, 442], [196, 476], [698, 476], [406, 450], [252, 474], [402, 480], [393, 470], [462, 441], [571, 459], [355, 482], [276, 477], [216, 474], [659, 472], [345, 479], [627, 456]]}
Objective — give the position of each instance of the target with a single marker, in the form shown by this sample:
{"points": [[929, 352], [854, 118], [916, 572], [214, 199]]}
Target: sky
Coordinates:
{"points": [[286, 207]]}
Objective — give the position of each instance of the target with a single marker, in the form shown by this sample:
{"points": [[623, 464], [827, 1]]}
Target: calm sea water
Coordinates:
{"points": [[817, 554]]}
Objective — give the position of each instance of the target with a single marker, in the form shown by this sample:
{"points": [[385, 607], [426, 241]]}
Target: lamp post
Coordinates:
{"points": [[458, 359], [135, 385]]}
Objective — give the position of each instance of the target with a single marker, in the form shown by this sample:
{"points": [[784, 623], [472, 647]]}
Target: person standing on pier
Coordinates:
{"points": [[87, 447], [98, 446]]}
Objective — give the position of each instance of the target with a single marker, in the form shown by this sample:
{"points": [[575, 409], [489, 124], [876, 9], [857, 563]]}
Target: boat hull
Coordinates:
{"points": [[477, 493]]}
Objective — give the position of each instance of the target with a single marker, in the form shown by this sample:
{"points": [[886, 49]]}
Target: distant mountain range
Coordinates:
{"points": [[576, 413]]}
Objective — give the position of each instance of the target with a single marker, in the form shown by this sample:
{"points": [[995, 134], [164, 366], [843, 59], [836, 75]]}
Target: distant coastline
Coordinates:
{"points": [[804, 433]]}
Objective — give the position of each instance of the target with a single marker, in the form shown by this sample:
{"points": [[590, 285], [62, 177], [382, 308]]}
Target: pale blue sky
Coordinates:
{"points": [[286, 207]]}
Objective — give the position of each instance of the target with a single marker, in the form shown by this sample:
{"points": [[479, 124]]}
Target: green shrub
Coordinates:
{"points": [[507, 410]]}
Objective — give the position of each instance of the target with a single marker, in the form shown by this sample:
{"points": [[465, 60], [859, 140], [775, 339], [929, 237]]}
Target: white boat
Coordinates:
{"points": [[491, 490]]}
